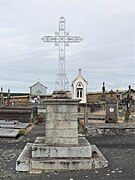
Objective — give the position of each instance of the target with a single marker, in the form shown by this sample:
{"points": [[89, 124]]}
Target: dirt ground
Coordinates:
{"points": [[118, 150]]}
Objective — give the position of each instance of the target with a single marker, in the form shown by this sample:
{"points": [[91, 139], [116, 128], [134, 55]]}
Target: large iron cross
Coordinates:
{"points": [[62, 39]]}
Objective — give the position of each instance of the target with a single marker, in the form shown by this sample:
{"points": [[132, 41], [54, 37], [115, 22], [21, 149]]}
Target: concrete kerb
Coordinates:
{"points": [[110, 129]]}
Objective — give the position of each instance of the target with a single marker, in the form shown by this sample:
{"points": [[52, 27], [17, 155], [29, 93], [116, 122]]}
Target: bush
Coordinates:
{"points": [[21, 132]]}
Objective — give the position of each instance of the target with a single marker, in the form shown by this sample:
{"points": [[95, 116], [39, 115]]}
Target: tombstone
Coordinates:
{"points": [[111, 109], [61, 148]]}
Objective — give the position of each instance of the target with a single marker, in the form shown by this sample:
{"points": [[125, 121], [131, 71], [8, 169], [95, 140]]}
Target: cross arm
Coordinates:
{"points": [[66, 39], [74, 39], [49, 38]]}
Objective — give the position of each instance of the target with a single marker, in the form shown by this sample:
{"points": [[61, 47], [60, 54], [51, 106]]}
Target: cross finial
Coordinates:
{"points": [[80, 71], [38, 79]]}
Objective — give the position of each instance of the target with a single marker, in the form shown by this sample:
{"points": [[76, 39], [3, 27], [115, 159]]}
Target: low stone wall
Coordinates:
{"points": [[110, 129]]}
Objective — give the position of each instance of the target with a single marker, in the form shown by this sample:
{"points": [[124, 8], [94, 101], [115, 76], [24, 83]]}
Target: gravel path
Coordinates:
{"points": [[118, 150]]}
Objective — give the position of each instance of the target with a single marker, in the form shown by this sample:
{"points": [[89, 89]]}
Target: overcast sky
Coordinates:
{"points": [[107, 52]]}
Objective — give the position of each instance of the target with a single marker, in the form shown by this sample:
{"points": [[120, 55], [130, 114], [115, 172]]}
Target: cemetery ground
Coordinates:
{"points": [[118, 150]]}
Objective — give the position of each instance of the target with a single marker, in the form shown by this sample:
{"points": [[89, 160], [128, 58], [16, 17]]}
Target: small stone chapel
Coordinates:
{"points": [[79, 88]]}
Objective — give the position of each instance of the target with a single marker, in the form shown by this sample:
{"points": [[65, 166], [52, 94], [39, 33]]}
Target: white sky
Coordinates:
{"points": [[107, 52]]}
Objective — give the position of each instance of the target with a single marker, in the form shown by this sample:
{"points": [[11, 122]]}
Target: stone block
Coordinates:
{"points": [[61, 124], [40, 149], [65, 133], [50, 116], [61, 108], [49, 108], [61, 164], [43, 151], [61, 141]]}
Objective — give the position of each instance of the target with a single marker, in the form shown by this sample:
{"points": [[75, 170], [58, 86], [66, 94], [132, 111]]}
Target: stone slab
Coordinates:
{"points": [[5, 121], [8, 132], [83, 149], [15, 126], [61, 164], [23, 161]]}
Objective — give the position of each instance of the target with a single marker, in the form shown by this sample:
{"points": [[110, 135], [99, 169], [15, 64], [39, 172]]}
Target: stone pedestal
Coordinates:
{"points": [[61, 148], [61, 122]]}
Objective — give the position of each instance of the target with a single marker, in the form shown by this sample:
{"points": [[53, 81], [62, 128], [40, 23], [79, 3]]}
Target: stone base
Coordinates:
{"points": [[38, 157], [42, 150]]}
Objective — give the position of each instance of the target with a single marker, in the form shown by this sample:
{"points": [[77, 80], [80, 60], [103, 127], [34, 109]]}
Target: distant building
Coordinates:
{"points": [[123, 96], [37, 92]]}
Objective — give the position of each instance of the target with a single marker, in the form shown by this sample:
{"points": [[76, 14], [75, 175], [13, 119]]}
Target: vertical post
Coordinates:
{"points": [[1, 97], [128, 104], [8, 98]]}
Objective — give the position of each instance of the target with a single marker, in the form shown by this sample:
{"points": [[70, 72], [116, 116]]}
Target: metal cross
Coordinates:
{"points": [[62, 39]]}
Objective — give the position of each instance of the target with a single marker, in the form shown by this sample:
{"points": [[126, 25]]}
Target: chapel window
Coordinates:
{"points": [[79, 90]]}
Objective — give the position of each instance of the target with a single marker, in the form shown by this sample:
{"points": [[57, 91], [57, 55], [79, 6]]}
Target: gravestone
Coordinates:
{"points": [[111, 109], [61, 148]]}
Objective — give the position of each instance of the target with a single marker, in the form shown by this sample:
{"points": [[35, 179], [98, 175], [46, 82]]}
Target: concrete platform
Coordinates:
{"points": [[49, 158]]}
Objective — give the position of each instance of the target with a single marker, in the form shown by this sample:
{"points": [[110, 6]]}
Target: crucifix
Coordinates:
{"points": [[62, 40]]}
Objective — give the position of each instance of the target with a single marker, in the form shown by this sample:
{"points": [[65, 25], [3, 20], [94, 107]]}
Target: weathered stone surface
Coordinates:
{"points": [[56, 133], [110, 129], [23, 161], [61, 164], [60, 152], [61, 140], [50, 116], [61, 124], [82, 150], [99, 161], [43, 157]]}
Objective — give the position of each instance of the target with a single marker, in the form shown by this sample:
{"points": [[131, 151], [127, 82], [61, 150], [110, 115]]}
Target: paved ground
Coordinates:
{"points": [[118, 150]]}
